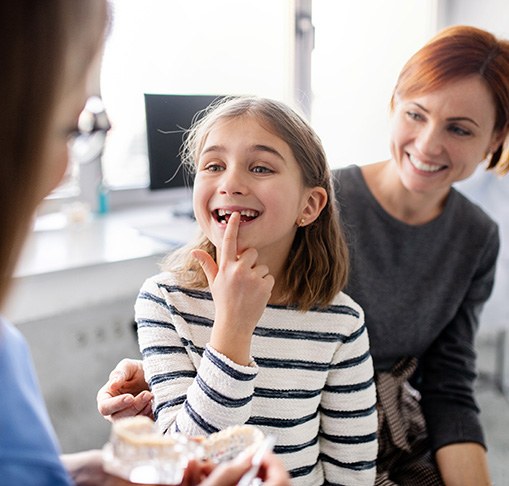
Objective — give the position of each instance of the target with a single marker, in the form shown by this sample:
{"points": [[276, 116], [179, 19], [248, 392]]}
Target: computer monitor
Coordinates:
{"points": [[168, 116]]}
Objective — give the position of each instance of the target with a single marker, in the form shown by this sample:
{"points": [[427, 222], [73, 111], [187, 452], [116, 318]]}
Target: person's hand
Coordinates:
{"points": [[86, 469], [126, 392], [241, 288], [272, 472]]}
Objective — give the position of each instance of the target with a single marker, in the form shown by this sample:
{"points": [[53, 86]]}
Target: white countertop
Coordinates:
{"points": [[66, 266]]}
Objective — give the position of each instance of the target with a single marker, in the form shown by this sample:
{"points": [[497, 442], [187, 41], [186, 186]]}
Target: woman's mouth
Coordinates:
{"points": [[423, 166], [223, 215]]}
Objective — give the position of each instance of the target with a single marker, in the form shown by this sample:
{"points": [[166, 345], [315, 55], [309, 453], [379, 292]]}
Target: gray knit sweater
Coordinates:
{"points": [[422, 289]]}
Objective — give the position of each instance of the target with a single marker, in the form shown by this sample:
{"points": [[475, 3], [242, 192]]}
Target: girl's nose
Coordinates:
{"points": [[233, 182], [429, 141]]}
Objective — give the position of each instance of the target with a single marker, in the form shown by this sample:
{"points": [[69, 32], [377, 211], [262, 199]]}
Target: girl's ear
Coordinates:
{"points": [[315, 202]]}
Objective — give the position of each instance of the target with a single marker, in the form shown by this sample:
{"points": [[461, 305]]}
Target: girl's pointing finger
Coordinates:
{"points": [[229, 248]]}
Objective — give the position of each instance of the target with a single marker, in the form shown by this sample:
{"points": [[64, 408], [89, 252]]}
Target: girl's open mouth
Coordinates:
{"points": [[223, 215]]}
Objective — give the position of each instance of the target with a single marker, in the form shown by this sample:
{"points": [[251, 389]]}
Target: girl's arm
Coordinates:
{"points": [[196, 390], [348, 443], [219, 393]]}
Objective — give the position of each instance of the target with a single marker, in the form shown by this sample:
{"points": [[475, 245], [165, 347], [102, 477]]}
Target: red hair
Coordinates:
{"points": [[455, 53]]}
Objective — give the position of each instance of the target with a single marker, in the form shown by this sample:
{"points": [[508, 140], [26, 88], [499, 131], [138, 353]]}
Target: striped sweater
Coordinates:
{"points": [[310, 383]]}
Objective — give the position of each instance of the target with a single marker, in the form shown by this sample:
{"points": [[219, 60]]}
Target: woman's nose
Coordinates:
{"points": [[429, 141]]}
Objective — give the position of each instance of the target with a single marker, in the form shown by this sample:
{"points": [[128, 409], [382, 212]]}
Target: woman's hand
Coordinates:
{"points": [[126, 392], [463, 464], [240, 288]]}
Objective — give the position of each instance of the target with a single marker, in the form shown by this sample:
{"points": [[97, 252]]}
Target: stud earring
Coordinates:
{"points": [[301, 222]]}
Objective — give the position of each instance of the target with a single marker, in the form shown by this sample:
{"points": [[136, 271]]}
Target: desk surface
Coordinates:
{"points": [[68, 266], [57, 245]]}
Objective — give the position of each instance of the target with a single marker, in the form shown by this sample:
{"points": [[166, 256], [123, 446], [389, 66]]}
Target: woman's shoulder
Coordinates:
{"points": [[348, 172], [465, 211], [349, 184]]}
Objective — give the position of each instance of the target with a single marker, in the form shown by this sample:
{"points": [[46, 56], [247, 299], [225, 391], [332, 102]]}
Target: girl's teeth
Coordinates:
{"points": [[223, 215], [245, 212], [249, 213]]}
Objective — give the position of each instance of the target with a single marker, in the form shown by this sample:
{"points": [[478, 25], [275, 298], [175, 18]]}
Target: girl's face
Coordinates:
{"points": [[243, 167], [440, 137]]}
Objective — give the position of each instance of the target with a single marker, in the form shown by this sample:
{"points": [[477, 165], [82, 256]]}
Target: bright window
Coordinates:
{"points": [[247, 47], [188, 47], [360, 47]]}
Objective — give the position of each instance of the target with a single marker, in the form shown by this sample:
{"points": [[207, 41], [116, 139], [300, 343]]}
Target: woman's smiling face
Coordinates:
{"points": [[246, 168], [440, 137]]}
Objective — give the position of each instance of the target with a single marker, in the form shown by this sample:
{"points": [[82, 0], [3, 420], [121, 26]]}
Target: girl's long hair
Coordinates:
{"points": [[317, 266]]}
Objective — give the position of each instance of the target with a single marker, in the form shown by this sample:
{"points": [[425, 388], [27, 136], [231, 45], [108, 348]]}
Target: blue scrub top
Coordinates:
{"points": [[29, 452]]}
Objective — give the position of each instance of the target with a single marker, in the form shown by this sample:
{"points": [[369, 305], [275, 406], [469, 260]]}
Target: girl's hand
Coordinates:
{"points": [[240, 288]]}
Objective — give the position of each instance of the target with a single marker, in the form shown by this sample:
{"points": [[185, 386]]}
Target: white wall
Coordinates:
{"points": [[360, 48], [492, 15]]}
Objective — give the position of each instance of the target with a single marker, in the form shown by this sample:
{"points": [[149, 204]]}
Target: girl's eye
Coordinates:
{"points": [[414, 116], [212, 167], [260, 169], [459, 131]]}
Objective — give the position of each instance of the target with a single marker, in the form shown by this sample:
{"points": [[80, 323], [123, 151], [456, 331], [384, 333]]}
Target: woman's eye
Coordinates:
{"points": [[260, 169], [414, 116], [459, 131]]}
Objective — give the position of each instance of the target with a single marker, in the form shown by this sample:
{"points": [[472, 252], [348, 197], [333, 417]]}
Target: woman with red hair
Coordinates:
{"points": [[423, 256]]}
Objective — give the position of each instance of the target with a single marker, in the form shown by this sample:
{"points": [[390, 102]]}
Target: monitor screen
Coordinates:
{"points": [[168, 117]]}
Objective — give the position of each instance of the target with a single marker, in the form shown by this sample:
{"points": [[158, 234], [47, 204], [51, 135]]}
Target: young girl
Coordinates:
{"points": [[249, 325]]}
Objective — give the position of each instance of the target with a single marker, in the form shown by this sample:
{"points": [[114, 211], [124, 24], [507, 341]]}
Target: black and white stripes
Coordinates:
{"points": [[310, 383]]}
